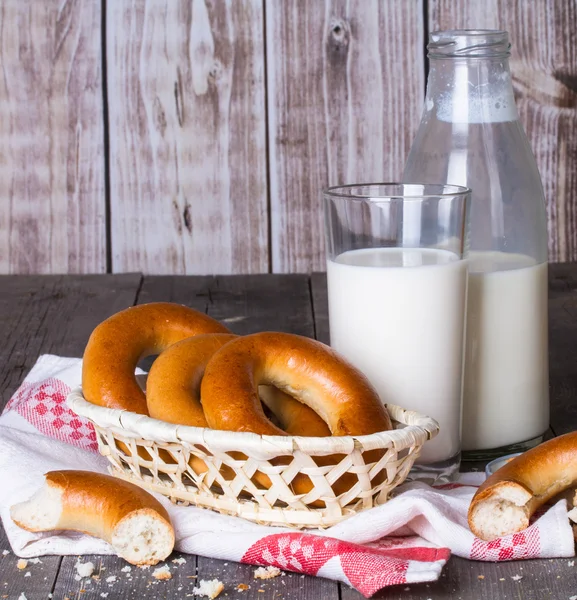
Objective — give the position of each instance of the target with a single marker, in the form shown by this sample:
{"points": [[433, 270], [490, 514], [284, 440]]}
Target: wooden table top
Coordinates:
{"points": [[55, 314]]}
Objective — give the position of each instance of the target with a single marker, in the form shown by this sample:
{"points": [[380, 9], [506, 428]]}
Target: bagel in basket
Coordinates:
{"points": [[307, 370], [119, 342]]}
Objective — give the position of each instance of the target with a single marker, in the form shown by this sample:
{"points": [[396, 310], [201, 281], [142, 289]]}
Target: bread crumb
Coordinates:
{"points": [[480, 577], [5, 552], [34, 561], [84, 569], [261, 591], [22, 597], [241, 587], [162, 573], [104, 594], [570, 563], [126, 569], [21, 564], [28, 574], [266, 572], [179, 561], [111, 579], [501, 579], [211, 588], [517, 577]]}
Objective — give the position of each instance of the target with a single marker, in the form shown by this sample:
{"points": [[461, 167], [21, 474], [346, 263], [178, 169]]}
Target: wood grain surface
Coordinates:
{"points": [[345, 90], [53, 314], [544, 70], [187, 136], [52, 210]]}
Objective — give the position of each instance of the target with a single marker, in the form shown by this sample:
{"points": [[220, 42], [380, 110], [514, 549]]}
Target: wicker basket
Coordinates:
{"points": [[156, 456]]}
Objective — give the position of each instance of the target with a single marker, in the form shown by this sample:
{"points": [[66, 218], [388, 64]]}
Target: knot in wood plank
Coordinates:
{"points": [[339, 35]]}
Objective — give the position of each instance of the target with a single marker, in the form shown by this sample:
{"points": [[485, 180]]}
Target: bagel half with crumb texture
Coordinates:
{"points": [[130, 519], [507, 500], [119, 342]]}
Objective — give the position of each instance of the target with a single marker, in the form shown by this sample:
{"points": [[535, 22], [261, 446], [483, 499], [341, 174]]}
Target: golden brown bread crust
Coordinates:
{"points": [[173, 383], [531, 479], [119, 342], [130, 519], [304, 368]]}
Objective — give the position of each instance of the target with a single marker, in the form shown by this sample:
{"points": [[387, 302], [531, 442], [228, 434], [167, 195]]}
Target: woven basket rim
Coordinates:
{"points": [[418, 429]]}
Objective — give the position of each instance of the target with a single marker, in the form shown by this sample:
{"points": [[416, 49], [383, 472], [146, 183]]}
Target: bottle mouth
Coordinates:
{"points": [[469, 43]]}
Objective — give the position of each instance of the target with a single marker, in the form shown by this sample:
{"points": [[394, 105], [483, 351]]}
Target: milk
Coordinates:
{"points": [[398, 315], [506, 389]]}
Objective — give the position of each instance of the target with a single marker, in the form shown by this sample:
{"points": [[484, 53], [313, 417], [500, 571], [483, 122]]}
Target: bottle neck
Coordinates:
{"points": [[470, 90]]}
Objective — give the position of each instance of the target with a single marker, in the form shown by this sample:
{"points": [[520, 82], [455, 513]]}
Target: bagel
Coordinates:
{"points": [[305, 369], [507, 500], [131, 520], [119, 342]]}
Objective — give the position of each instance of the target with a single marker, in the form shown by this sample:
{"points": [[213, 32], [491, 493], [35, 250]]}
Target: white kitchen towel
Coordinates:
{"points": [[406, 540]]}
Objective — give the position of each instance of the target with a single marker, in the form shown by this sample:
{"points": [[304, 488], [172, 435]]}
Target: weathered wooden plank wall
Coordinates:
{"points": [[187, 136], [52, 210], [226, 118], [544, 70]]}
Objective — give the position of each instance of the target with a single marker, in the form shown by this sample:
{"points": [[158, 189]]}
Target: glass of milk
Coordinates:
{"points": [[397, 290]]}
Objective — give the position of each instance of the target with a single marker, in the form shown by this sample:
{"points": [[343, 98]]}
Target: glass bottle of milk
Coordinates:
{"points": [[470, 135]]}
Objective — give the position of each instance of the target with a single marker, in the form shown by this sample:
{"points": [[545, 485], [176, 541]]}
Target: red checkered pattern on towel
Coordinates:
{"points": [[368, 567], [43, 405], [525, 544]]}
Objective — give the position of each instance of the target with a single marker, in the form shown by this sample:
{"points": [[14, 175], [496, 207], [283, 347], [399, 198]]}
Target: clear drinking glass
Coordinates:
{"points": [[397, 286], [470, 135]]}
